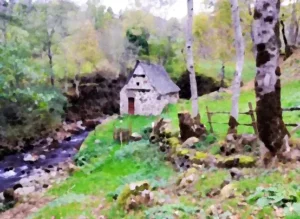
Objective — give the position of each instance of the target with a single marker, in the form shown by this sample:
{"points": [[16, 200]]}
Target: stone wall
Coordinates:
{"points": [[146, 102]]}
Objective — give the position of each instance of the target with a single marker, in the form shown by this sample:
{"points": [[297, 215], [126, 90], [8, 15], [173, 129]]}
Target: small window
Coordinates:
{"points": [[140, 76], [138, 83]]}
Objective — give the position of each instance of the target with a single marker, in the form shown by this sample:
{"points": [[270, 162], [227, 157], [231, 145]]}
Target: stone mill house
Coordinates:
{"points": [[148, 90]]}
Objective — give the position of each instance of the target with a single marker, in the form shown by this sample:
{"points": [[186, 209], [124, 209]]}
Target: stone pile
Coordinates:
{"points": [[185, 154]]}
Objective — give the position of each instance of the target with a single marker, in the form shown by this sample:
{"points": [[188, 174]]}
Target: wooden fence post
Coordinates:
{"points": [[251, 113], [209, 120]]}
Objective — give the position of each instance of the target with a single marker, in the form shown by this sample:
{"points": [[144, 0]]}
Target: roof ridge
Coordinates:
{"points": [[159, 77]]}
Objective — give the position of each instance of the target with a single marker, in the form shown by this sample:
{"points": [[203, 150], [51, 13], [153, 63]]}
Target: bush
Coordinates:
{"points": [[28, 108], [30, 112]]}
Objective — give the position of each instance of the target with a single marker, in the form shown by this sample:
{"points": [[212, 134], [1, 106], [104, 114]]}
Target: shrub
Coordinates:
{"points": [[28, 108], [30, 112], [276, 196]]}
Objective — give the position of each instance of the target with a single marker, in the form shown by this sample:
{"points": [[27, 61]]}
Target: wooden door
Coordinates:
{"points": [[131, 105]]}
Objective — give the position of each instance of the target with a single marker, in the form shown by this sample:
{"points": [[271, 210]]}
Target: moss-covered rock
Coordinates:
{"points": [[169, 133], [246, 161], [200, 158], [183, 151], [228, 191], [174, 142], [132, 189], [235, 161], [189, 143], [187, 178], [200, 155]]}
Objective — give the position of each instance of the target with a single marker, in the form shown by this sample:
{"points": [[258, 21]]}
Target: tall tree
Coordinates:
{"points": [[271, 127], [294, 25], [190, 58], [240, 51], [48, 24]]}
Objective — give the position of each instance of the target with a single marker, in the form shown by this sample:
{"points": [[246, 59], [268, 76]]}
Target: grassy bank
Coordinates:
{"points": [[109, 166]]}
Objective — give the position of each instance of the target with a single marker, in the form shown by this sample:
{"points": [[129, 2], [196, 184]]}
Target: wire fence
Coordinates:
{"points": [[250, 113]]}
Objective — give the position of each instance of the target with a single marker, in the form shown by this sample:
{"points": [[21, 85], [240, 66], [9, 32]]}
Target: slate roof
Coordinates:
{"points": [[158, 77]]}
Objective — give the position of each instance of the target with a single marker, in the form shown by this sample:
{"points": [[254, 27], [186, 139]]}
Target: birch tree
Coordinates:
{"points": [[294, 26], [271, 128], [190, 59], [240, 51]]}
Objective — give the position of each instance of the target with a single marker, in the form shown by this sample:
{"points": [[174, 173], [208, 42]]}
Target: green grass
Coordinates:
{"points": [[290, 97], [107, 172], [211, 180], [109, 166]]}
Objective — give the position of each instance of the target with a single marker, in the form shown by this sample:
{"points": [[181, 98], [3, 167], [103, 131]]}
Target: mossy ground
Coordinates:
{"points": [[109, 166]]}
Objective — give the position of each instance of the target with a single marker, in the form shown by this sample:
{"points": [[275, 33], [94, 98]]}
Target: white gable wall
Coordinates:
{"points": [[139, 82], [146, 103]]}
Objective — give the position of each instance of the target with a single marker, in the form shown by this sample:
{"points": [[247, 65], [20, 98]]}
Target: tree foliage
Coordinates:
{"points": [[81, 40]]}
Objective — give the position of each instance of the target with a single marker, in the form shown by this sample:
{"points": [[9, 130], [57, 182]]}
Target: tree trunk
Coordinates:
{"points": [[77, 80], [293, 25], [190, 126], [50, 56], [222, 84], [249, 7], [287, 48], [296, 33], [66, 85], [240, 51], [271, 127], [190, 59], [167, 52], [4, 12]]}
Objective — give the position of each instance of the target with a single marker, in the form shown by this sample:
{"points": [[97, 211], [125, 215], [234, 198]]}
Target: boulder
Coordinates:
{"points": [[235, 161], [174, 142], [228, 191], [30, 157], [1, 197], [24, 191], [190, 142], [236, 174], [290, 156], [187, 178], [145, 198], [248, 139], [136, 137], [160, 129], [132, 189]]}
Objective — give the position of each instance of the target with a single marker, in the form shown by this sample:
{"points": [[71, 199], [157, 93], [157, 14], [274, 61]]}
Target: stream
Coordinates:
{"points": [[13, 167]]}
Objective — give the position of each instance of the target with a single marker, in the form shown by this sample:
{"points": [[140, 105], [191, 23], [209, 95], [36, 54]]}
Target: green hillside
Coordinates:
{"points": [[111, 166]]}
